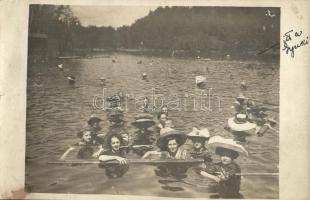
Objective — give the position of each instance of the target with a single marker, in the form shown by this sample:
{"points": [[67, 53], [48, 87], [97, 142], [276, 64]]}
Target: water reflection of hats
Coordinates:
{"points": [[230, 144], [196, 133], [143, 120], [240, 123], [93, 119], [169, 133], [84, 130]]}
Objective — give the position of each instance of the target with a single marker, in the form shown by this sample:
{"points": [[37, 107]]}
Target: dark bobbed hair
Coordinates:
{"points": [[220, 151], [81, 133], [109, 138], [173, 137]]}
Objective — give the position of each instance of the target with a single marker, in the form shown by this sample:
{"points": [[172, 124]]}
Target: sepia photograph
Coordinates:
{"points": [[161, 101]]}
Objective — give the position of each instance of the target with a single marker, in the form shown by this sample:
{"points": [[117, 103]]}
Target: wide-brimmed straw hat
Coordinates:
{"points": [[93, 119], [143, 120], [196, 133], [240, 123], [230, 144], [170, 133], [200, 79]]}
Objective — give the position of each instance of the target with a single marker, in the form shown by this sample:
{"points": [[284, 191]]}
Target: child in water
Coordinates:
{"points": [[226, 173], [200, 139], [115, 152]]}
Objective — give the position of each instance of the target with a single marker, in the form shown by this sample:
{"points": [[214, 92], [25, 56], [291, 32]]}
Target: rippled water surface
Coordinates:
{"points": [[56, 111]]}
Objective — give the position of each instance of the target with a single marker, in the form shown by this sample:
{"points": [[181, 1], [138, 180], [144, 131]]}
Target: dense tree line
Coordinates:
{"points": [[219, 29]]}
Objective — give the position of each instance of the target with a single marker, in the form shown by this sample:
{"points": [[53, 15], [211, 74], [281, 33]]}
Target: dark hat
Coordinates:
{"points": [[143, 120], [93, 119]]}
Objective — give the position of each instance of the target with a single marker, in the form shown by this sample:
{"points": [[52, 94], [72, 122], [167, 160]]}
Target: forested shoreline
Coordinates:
{"points": [[196, 31]]}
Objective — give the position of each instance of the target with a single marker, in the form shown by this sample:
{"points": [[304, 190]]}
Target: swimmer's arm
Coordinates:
{"points": [[96, 154], [215, 178], [148, 153], [106, 158], [63, 157]]}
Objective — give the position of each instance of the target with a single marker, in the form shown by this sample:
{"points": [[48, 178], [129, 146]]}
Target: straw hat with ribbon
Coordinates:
{"points": [[230, 144], [240, 123], [167, 134], [143, 120], [196, 133]]}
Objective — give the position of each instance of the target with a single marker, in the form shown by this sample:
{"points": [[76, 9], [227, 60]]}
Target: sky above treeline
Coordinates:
{"points": [[115, 16]]}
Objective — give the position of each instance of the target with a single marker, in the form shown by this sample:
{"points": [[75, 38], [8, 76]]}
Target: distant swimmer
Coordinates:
{"points": [[139, 62], [60, 67], [71, 79], [243, 85], [270, 14], [102, 81], [113, 61]]}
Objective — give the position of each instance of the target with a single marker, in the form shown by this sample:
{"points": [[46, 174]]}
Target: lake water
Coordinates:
{"points": [[56, 111]]}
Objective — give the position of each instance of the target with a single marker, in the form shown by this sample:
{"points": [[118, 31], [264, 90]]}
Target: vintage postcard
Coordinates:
{"points": [[155, 99]]}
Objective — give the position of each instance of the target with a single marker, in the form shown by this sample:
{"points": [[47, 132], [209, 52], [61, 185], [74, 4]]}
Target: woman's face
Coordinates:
{"points": [[172, 146], [164, 110], [163, 118], [115, 143], [226, 157], [87, 136]]}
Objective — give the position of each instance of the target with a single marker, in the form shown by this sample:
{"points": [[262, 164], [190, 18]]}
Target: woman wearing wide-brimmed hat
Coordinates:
{"points": [[170, 147], [225, 172]]}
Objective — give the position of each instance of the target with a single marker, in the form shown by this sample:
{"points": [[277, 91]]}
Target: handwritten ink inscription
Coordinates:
{"points": [[293, 40]]}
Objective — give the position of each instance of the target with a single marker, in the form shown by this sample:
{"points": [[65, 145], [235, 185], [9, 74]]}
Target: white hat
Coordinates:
{"points": [[203, 133], [240, 123], [218, 141], [200, 79]]}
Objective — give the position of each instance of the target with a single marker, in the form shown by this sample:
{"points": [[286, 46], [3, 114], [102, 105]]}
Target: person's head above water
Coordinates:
{"points": [[171, 140], [173, 144], [116, 116], [199, 137], [86, 136], [94, 121], [114, 142], [164, 109], [162, 117], [226, 155]]}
